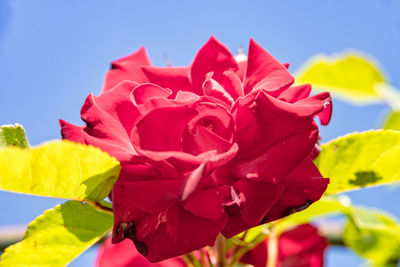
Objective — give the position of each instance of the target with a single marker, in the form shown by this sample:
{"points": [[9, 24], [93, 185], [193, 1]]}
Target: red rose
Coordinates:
{"points": [[219, 146], [299, 247]]}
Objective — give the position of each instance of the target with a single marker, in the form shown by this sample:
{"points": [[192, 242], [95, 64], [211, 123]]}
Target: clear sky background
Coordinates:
{"points": [[53, 53]]}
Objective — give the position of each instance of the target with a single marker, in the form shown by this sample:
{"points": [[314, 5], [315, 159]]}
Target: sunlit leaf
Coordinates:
{"points": [[13, 135], [59, 235], [60, 169], [373, 235], [392, 121], [360, 159], [350, 75]]}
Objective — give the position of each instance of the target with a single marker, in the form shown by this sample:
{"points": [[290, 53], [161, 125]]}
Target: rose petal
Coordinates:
{"points": [[110, 118], [258, 198], [214, 89], [203, 140], [263, 115], [304, 186], [127, 68], [183, 232], [162, 129], [264, 71], [174, 78], [212, 57], [124, 254], [71, 132], [231, 83], [325, 115], [295, 93]]}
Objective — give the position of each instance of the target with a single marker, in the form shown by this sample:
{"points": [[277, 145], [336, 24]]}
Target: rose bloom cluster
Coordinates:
{"points": [[300, 247], [217, 147]]}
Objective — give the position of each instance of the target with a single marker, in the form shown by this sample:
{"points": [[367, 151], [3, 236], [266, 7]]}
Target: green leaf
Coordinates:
{"points": [[13, 135], [360, 159], [392, 121], [349, 75], [59, 235], [373, 235], [61, 169]]}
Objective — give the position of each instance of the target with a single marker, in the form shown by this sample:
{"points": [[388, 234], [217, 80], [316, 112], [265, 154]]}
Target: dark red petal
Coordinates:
{"points": [[303, 186], [258, 198], [264, 71], [71, 132], [212, 57], [303, 247], [174, 78], [154, 194], [124, 254], [258, 256], [268, 166], [264, 115], [127, 68], [183, 232]]}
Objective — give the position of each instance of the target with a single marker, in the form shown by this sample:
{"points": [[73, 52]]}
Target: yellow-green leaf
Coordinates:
{"points": [[58, 236], [351, 76], [392, 121], [13, 135], [373, 235], [361, 159], [61, 169]]}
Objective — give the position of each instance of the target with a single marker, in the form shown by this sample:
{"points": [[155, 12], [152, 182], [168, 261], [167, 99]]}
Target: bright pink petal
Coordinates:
{"points": [[174, 78], [295, 93], [124, 254], [325, 115], [232, 84], [264, 71], [162, 129], [71, 132], [110, 118], [127, 68], [212, 57], [214, 89], [202, 140], [241, 71]]}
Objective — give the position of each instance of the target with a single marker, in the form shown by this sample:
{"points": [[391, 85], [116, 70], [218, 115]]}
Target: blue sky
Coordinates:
{"points": [[53, 53]]}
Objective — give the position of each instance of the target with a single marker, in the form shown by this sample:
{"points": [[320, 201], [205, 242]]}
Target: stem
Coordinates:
{"points": [[98, 206], [242, 250], [221, 250], [272, 249], [187, 260]]}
